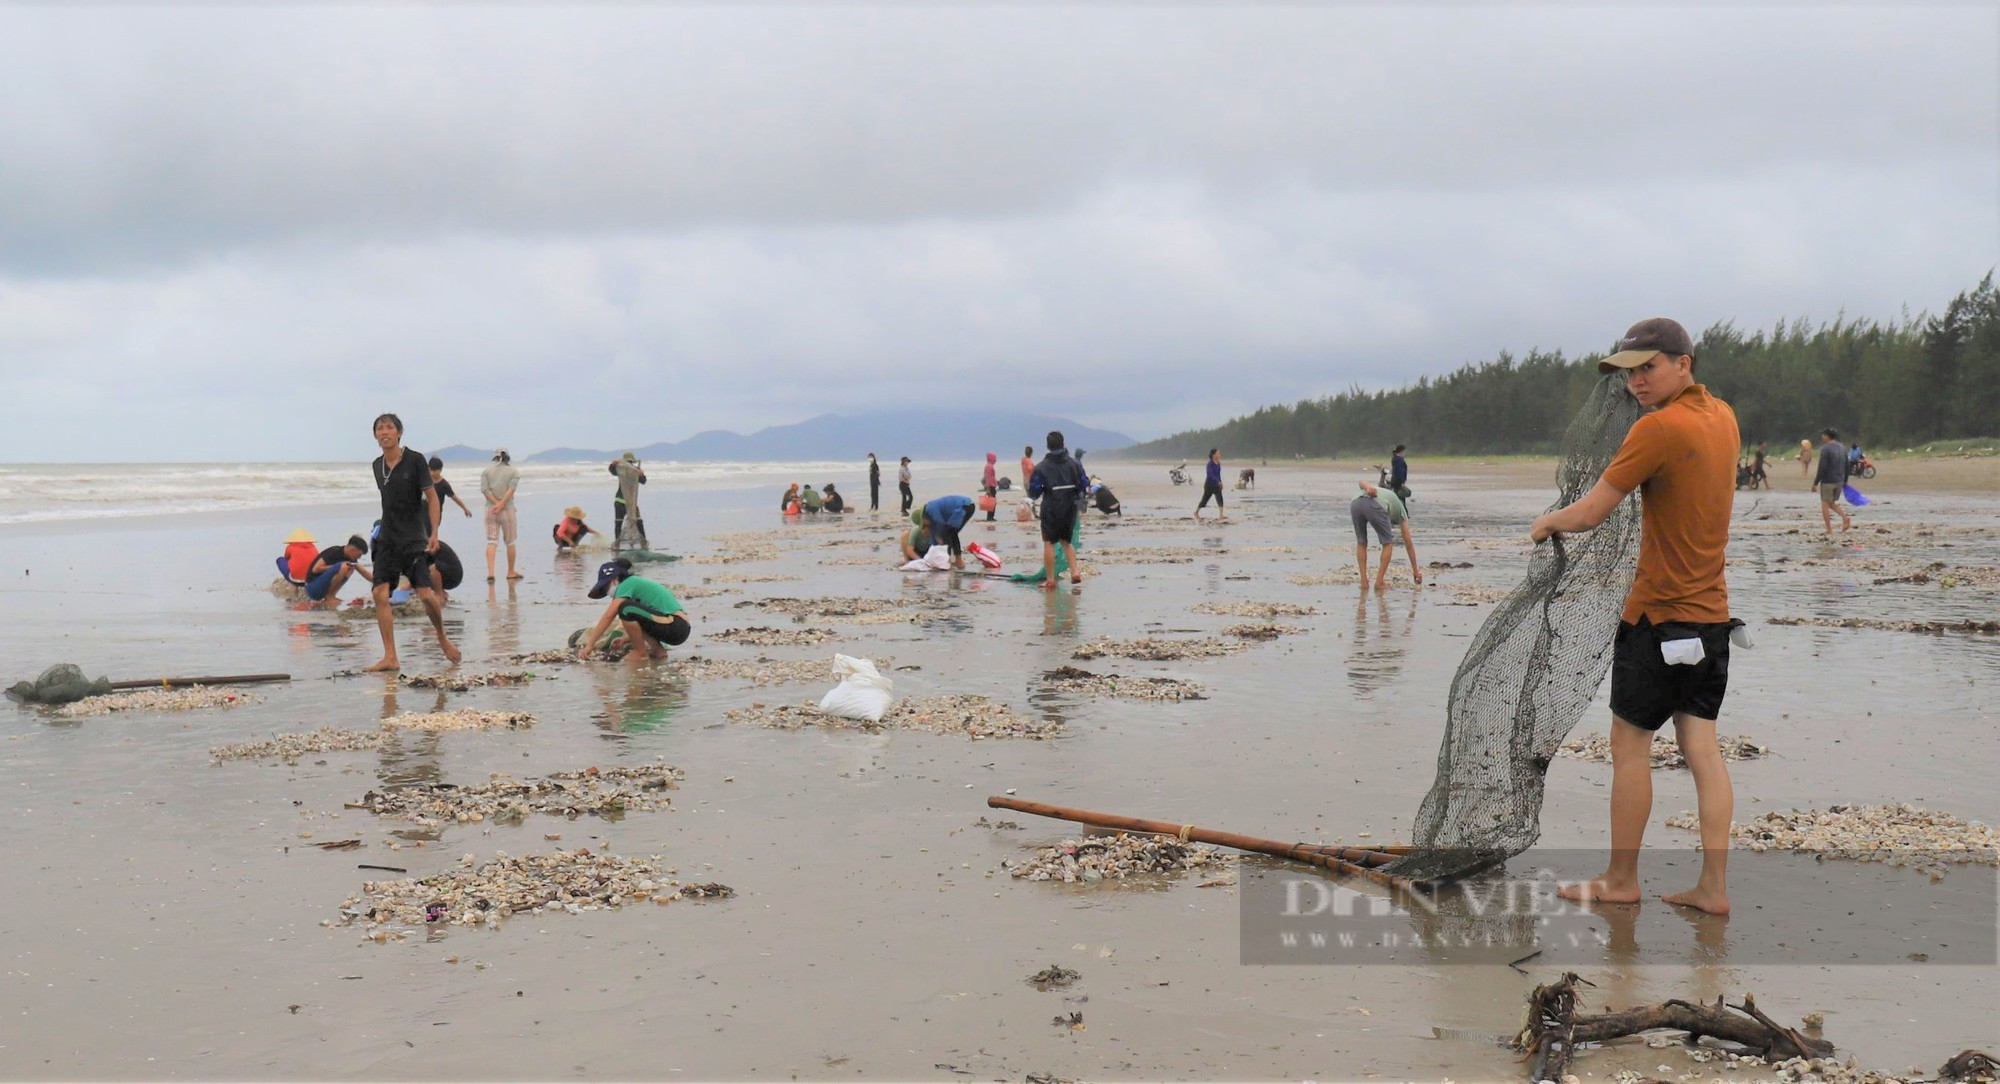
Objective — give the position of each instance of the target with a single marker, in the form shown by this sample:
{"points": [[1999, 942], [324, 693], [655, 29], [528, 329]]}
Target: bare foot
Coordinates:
{"points": [[1701, 899], [1600, 890], [513, 575], [1076, 581], [1049, 584], [1381, 585], [450, 651], [383, 666]]}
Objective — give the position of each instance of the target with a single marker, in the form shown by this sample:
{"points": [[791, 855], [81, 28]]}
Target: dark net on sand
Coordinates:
{"points": [[1532, 669], [62, 683]]}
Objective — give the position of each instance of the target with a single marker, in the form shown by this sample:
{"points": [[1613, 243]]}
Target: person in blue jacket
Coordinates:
{"points": [[1211, 486], [946, 516]]}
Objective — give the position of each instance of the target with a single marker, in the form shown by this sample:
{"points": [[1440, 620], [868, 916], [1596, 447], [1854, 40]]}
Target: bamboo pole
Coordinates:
{"points": [[216, 679], [1358, 861]]}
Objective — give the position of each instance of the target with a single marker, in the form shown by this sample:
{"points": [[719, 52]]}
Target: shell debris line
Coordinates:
{"points": [[1077, 680], [764, 636], [1325, 579], [1898, 835], [1666, 754], [832, 606], [1261, 631], [462, 719], [972, 716], [459, 683], [189, 699], [1934, 628], [290, 747], [760, 671], [749, 577], [744, 555], [596, 791], [1469, 595], [487, 893], [1265, 610], [695, 590], [552, 657], [1152, 649], [1116, 858]]}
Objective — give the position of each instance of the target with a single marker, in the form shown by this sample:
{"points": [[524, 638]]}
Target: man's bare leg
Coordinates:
{"points": [[1826, 517], [491, 549], [1361, 564], [1715, 798], [1631, 805], [644, 647], [1382, 574], [385, 620], [435, 609], [1048, 566], [511, 574], [1075, 566]]}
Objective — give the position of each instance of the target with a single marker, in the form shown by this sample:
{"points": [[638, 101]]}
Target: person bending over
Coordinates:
{"points": [[650, 614], [945, 517], [1380, 508], [917, 540], [570, 532]]}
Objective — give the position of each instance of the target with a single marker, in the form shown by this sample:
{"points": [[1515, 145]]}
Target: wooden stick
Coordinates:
{"points": [[217, 679], [1355, 860]]}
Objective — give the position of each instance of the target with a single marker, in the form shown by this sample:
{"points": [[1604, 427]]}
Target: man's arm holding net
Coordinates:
{"points": [[1586, 513]]}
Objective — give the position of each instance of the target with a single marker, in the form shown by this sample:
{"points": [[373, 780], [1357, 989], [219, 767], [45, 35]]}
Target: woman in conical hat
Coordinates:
{"points": [[569, 533]]}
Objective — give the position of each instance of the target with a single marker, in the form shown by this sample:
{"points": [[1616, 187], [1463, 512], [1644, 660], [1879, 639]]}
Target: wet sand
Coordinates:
{"points": [[169, 914]]}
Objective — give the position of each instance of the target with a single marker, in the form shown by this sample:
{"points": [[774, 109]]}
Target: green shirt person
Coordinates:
{"points": [[650, 614]]}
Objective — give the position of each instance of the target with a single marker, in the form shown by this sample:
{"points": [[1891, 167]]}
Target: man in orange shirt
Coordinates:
{"points": [[1671, 658]]}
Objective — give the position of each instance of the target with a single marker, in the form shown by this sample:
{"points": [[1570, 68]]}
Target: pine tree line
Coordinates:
{"points": [[1886, 385]]}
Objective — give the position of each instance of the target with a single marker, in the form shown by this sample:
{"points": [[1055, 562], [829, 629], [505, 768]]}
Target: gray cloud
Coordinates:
{"points": [[619, 225]]}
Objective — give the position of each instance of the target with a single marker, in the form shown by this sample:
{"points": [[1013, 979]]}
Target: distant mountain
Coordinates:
{"points": [[459, 453], [919, 434]]}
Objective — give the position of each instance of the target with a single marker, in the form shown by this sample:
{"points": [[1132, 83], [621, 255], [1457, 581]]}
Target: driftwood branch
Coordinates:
{"points": [[1554, 1028], [1971, 1065]]}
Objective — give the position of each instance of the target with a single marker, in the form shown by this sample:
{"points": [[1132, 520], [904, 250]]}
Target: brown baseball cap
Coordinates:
{"points": [[1645, 339]]}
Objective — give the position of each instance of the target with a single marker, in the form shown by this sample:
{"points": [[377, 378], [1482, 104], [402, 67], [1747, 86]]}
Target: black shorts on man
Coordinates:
{"points": [[1647, 690], [1058, 520], [395, 562]]}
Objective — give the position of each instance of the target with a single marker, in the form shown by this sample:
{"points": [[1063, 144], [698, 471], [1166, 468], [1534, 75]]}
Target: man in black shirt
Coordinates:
{"points": [[409, 538], [331, 568], [444, 490]]}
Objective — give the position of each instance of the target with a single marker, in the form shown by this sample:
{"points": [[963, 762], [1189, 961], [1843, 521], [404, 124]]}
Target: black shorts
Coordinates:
{"points": [[1646, 690], [671, 630], [947, 537], [1058, 520], [395, 562]]}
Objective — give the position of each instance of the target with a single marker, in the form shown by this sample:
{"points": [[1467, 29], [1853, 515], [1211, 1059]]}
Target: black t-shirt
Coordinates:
{"points": [[406, 519], [333, 556], [443, 486]]}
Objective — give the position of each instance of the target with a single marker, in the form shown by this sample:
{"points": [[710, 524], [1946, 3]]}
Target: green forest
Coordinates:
{"points": [[1888, 385]]}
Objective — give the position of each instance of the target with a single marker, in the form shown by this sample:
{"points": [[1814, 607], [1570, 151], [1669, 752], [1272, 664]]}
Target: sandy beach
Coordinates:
{"points": [[176, 917]]}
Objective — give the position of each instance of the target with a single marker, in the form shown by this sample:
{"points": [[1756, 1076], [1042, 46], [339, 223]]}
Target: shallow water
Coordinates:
{"points": [[166, 914]]}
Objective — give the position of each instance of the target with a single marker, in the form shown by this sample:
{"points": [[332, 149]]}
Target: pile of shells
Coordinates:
{"points": [[290, 747], [1151, 649], [596, 791], [487, 893], [1100, 858], [1934, 628], [975, 717], [698, 591], [759, 671], [1073, 679], [462, 719], [545, 658], [749, 577], [761, 636], [1666, 754], [189, 699], [1265, 610], [459, 683], [1261, 631], [1054, 976], [832, 606], [1324, 579], [890, 618], [1899, 835]]}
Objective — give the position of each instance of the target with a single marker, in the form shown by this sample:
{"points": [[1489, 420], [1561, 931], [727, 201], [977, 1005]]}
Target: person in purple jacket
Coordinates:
{"points": [[1211, 486]]}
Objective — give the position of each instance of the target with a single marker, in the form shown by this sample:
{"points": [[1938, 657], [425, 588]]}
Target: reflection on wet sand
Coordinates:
{"points": [[1375, 654], [408, 757], [637, 697], [503, 620]]}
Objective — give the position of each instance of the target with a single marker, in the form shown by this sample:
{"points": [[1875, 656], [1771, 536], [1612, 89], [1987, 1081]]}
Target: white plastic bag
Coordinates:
{"points": [[863, 693], [938, 559]]}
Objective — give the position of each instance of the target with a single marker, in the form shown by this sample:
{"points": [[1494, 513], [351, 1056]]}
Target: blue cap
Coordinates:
{"points": [[608, 573]]}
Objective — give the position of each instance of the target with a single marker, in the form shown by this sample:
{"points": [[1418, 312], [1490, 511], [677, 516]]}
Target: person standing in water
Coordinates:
{"points": [[1670, 658], [1060, 482], [903, 484], [989, 484], [1211, 486], [409, 538], [503, 524], [874, 484], [626, 505]]}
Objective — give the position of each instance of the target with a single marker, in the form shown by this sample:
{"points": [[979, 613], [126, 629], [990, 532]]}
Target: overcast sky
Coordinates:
{"points": [[243, 232]]}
